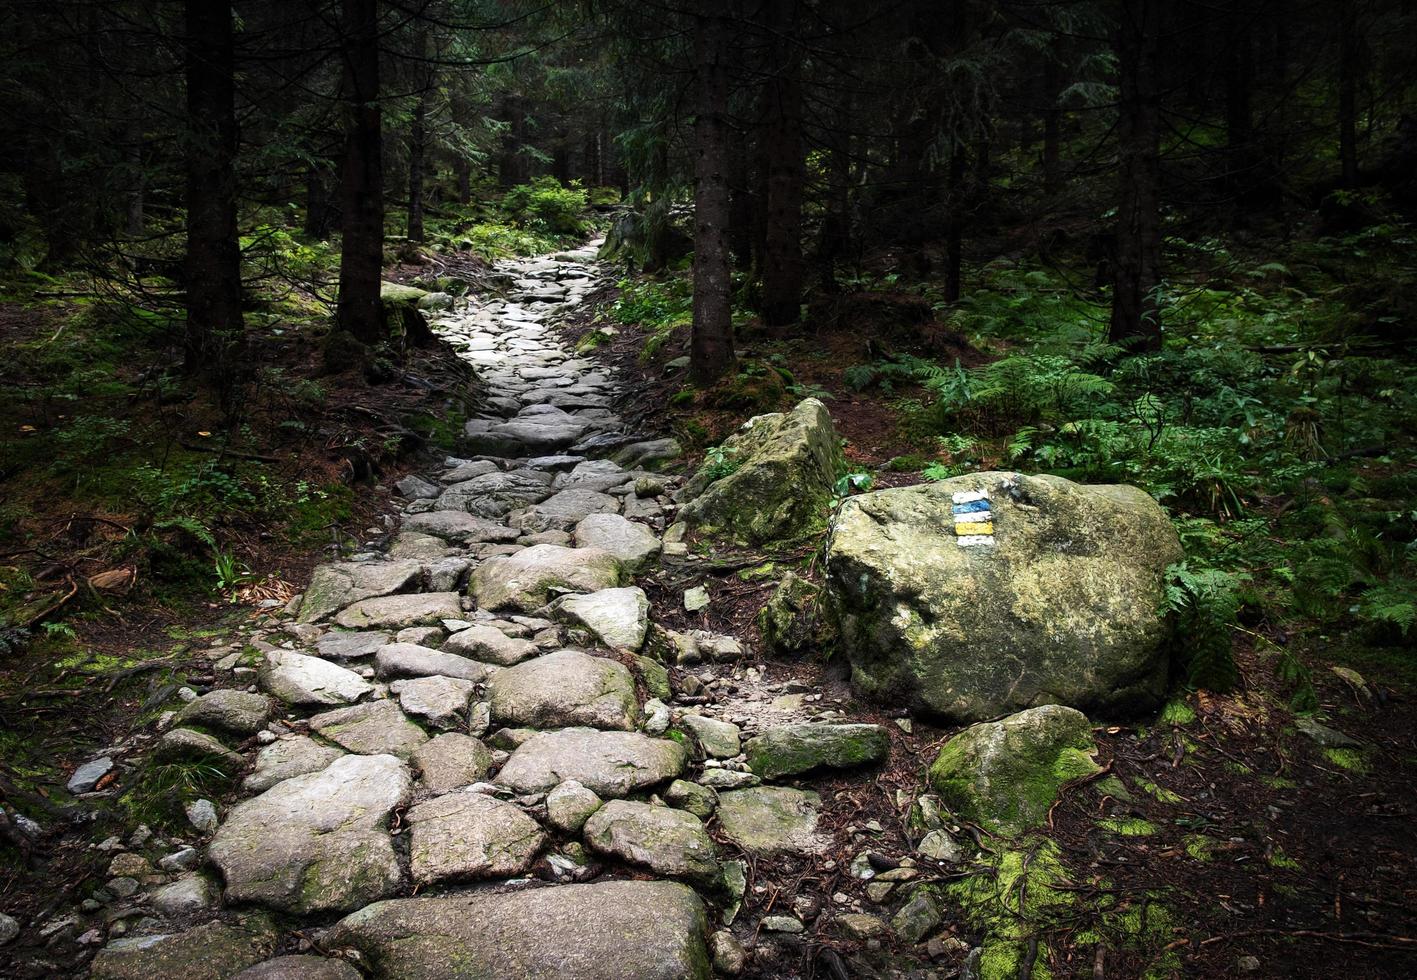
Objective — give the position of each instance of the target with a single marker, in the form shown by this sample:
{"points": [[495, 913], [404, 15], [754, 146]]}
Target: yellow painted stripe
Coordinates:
{"points": [[985, 528]]}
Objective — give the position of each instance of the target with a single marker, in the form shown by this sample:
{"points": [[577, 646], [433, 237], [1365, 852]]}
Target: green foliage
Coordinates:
{"points": [[1206, 603], [721, 461], [546, 207]]}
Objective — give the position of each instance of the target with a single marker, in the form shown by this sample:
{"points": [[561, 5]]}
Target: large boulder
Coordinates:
{"points": [[790, 750], [619, 617], [649, 930], [1005, 775], [318, 842], [462, 836], [213, 951], [527, 580], [565, 689], [668, 842], [769, 820], [334, 586], [782, 471], [609, 764], [1054, 597]]}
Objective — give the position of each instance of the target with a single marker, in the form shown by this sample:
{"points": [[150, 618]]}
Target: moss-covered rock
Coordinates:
{"points": [[794, 749], [791, 621], [1005, 775], [1058, 601], [772, 481], [208, 952]]}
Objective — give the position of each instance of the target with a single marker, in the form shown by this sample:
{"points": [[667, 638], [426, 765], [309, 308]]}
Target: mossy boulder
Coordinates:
{"points": [[1005, 775], [790, 750], [1058, 602], [772, 480], [212, 951], [403, 319], [791, 621]]}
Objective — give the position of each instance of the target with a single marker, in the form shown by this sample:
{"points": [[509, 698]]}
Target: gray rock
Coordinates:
{"points": [[202, 815], [790, 750], [350, 646], [491, 645], [562, 689], [185, 896], [656, 717], [376, 729], [460, 527], [411, 660], [1064, 606], [420, 636], [9, 929], [698, 800], [214, 951], [718, 739], [287, 758], [469, 470], [300, 967], [619, 617], [496, 494], [410, 544], [918, 917], [696, 598], [1324, 736], [183, 860], [441, 701], [445, 574], [565, 510], [238, 712], [416, 488], [316, 843], [185, 745], [781, 923], [938, 845], [1005, 775], [633, 543], [649, 454], [526, 580], [299, 679], [451, 761], [725, 779], [86, 777], [399, 611], [648, 930], [610, 764], [769, 820], [787, 465], [334, 586], [729, 957], [667, 841], [569, 806], [464, 836]]}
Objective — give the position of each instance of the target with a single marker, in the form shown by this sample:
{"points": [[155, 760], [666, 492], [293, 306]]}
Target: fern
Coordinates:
{"points": [[1394, 604], [1206, 602]]}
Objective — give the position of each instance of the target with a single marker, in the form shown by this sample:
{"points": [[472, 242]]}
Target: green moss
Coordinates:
{"points": [[1128, 826], [1199, 847], [1278, 859], [1160, 793], [1114, 787], [1176, 712], [1350, 759]]}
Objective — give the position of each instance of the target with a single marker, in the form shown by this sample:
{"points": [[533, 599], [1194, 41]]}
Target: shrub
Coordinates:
{"points": [[545, 206]]}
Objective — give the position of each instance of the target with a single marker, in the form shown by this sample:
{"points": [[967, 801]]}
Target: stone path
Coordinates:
{"points": [[476, 755]]}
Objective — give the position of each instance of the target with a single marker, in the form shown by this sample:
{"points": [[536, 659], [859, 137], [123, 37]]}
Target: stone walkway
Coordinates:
{"points": [[476, 755]]}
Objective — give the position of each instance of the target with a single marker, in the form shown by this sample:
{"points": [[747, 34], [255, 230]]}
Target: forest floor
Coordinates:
{"points": [[1224, 841]]}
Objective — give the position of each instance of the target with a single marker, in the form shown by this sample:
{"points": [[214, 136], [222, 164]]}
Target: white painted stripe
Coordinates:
{"points": [[975, 540], [965, 496], [974, 517]]}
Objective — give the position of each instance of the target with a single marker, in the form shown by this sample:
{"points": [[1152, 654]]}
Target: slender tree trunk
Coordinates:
{"points": [[462, 171], [213, 263], [133, 220], [1239, 78], [741, 219], [711, 345], [1052, 127], [418, 140], [783, 268], [1135, 316], [954, 232], [362, 253], [1348, 68]]}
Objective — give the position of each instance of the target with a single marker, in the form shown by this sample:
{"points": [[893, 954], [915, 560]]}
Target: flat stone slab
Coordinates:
{"points": [[466, 836], [460, 527], [399, 611], [565, 689], [667, 841], [334, 586], [299, 679], [237, 712], [440, 701], [633, 543], [300, 968], [527, 580], [619, 617], [768, 820], [214, 951], [609, 764], [794, 749], [564, 510], [496, 494], [719, 739], [315, 843], [490, 645], [376, 728], [412, 660], [614, 930], [287, 758], [350, 646], [451, 761]]}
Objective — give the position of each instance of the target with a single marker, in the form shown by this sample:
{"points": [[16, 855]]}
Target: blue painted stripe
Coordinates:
{"points": [[972, 507]]}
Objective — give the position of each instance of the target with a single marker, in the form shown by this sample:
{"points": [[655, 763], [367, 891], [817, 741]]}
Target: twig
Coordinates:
{"points": [[1369, 939]]}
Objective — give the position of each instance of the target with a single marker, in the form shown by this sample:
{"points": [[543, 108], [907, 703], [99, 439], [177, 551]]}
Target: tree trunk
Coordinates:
{"points": [[362, 253], [783, 268], [954, 231], [1239, 129], [462, 171], [418, 140], [213, 262], [1135, 315], [1052, 127], [711, 345], [1348, 68]]}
